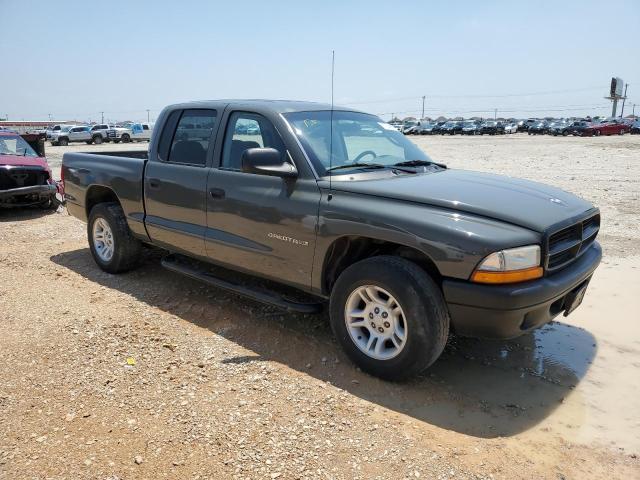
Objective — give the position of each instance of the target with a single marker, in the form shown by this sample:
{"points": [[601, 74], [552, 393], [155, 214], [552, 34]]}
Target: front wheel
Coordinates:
{"points": [[125, 138], [113, 246], [389, 316], [97, 139]]}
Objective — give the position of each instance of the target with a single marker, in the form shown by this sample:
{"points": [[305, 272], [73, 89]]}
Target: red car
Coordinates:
{"points": [[25, 176], [608, 127]]}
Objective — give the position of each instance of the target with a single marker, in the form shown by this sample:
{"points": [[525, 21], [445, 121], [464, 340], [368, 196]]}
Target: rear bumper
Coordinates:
{"points": [[508, 311]]}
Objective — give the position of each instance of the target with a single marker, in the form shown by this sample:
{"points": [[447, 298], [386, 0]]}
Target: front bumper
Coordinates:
{"points": [[508, 311], [22, 196]]}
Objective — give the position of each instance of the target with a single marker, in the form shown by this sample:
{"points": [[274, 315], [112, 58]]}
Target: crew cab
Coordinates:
{"points": [[25, 176], [338, 206]]}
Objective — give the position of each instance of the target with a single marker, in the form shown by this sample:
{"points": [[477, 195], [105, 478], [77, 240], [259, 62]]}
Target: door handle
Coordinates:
{"points": [[217, 193], [154, 183]]}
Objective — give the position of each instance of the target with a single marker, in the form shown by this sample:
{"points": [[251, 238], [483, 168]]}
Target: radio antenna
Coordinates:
{"points": [[333, 65]]}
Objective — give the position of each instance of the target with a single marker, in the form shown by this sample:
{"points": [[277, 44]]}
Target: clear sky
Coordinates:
{"points": [[74, 59]]}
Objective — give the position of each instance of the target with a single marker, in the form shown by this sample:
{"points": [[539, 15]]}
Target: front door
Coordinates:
{"points": [[175, 181], [263, 224]]}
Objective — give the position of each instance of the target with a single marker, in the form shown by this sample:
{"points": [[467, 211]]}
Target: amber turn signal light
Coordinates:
{"points": [[512, 276]]}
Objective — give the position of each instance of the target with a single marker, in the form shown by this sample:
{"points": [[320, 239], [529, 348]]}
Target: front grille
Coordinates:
{"points": [[16, 177], [567, 244]]}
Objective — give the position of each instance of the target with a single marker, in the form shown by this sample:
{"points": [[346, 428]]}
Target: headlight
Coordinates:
{"points": [[510, 266]]}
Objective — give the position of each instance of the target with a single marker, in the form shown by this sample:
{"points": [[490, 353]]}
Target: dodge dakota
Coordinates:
{"points": [[338, 204]]}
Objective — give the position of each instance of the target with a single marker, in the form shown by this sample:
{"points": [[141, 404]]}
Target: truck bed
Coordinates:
{"points": [[92, 177]]}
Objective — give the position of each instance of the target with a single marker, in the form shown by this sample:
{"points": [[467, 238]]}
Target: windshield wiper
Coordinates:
{"points": [[357, 165], [418, 163]]}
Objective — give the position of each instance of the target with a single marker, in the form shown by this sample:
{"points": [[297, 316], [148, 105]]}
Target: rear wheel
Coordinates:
{"points": [[622, 131], [97, 139], [125, 138], [63, 142], [596, 133], [389, 316], [113, 246]]}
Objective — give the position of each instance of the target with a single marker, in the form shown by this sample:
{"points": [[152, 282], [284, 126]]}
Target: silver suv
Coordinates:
{"points": [[71, 133]]}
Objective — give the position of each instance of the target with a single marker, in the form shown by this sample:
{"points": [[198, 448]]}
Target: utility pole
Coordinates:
{"points": [[623, 99], [102, 115], [49, 116], [633, 110], [423, 97], [147, 115], [495, 113]]}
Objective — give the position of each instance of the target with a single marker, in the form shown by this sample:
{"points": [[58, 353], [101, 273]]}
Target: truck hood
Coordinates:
{"points": [[20, 160], [520, 202]]}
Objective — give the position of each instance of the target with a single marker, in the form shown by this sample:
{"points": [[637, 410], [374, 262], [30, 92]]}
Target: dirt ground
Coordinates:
{"points": [[152, 375]]}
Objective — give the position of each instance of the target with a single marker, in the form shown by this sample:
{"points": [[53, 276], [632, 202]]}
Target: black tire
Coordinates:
{"points": [[596, 133], [52, 203], [622, 132], [426, 315], [97, 139], [126, 247], [125, 138], [63, 142]]}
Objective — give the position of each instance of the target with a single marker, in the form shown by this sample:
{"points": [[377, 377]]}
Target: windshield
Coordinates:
{"points": [[15, 145], [357, 138]]}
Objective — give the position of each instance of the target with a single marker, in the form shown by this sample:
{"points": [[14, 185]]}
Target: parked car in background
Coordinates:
{"points": [[99, 133], [141, 132], [70, 134], [489, 127], [559, 128], [53, 129], [578, 127], [25, 176], [538, 128], [119, 133], [635, 127], [608, 127], [451, 128], [510, 127], [410, 127], [426, 128], [470, 128]]}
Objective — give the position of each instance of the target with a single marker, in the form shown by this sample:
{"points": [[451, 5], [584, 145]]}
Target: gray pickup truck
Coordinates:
{"points": [[336, 205]]}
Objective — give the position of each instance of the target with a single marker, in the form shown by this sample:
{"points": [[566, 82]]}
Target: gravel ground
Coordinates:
{"points": [[151, 375]]}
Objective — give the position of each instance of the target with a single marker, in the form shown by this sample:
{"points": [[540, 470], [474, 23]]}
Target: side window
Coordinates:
{"points": [[186, 135], [191, 139], [145, 126], [245, 131]]}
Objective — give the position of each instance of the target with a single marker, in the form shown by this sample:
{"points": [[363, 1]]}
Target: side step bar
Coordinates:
{"points": [[171, 262]]}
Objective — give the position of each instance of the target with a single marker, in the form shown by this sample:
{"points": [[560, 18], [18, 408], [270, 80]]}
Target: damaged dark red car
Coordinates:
{"points": [[25, 176]]}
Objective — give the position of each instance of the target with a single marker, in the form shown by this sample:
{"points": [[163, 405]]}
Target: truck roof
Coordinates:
{"points": [[278, 106]]}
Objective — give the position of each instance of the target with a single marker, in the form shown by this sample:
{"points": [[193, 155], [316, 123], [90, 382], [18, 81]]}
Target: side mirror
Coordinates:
{"points": [[267, 161]]}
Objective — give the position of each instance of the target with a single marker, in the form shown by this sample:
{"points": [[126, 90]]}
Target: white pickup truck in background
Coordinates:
{"points": [[139, 132]]}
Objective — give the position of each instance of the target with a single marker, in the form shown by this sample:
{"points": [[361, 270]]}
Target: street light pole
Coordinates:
{"points": [[423, 97], [147, 115]]}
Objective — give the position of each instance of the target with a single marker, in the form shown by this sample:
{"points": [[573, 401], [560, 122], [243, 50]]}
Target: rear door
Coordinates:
{"points": [[262, 224], [175, 181]]}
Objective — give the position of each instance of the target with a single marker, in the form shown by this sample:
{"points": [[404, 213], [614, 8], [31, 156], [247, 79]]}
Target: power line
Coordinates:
{"points": [[530, 94]]}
